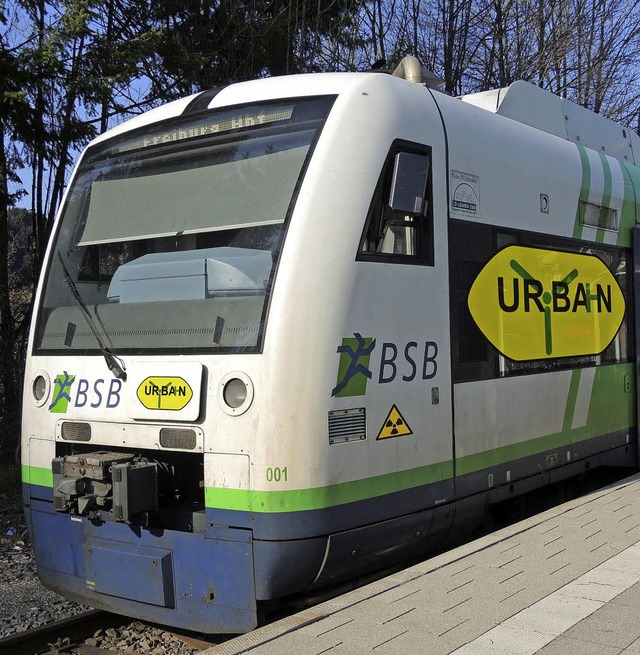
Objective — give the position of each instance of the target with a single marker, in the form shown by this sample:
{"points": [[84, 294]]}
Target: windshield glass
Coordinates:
{"points": [[170, 234]]}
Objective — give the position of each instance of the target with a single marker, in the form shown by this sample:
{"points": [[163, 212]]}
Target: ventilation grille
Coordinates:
{"points": [[347, 425], [595, 215], [182, 438], [76, 431]]}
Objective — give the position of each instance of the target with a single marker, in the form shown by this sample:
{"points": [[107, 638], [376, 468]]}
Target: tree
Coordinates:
{"points": [[58, 88], [209, 43], [607, 48], [14, 125]]}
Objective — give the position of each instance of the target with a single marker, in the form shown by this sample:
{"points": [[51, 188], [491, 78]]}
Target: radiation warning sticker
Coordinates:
{"points": [[394, 426]]}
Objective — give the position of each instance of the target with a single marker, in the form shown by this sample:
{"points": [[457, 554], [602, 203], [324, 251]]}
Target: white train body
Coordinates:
{"points": [[330, 354]]}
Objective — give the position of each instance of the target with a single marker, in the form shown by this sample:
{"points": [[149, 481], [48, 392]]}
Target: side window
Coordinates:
{"points": [[471, 246], [399, 225]]}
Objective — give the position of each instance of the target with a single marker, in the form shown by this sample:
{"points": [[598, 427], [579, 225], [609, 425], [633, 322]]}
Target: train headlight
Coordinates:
{"points": [[235, 393], [40, 387]]}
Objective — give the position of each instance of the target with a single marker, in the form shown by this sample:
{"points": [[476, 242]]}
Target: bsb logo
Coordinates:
{"points": [[66, 392], [408, 362], [539, 304]]}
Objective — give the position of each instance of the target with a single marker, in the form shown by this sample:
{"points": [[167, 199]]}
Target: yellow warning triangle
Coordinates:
{"points": [[394, 425]]}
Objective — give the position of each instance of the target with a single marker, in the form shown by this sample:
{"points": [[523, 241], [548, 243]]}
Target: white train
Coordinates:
{"points": [[299, 327]]}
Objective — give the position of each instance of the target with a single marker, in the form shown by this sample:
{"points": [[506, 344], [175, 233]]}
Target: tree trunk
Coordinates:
{"points": [[9, 405]]}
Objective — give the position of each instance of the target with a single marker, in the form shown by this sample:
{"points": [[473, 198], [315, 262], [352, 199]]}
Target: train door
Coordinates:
{"points": [[401, 292]]}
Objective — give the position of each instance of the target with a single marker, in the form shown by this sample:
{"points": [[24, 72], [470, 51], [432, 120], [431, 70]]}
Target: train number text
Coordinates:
{"points": [[276, 474]]}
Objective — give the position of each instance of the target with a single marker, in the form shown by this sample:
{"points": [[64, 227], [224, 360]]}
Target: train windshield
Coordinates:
{"points": [[170, 234]]}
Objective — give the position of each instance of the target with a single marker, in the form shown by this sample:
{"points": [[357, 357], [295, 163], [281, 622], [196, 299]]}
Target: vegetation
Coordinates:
{"points": [[10, 492], [70, 69]]}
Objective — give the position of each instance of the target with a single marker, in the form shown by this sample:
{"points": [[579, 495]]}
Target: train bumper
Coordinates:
{"points": [[201, 582]]}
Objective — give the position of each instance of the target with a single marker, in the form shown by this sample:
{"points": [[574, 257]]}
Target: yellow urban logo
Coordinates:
{"points": [[532, 303], [167, 393]]}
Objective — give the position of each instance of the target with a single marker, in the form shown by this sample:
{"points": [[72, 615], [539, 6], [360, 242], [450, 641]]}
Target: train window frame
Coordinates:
{"points": [[386, 224]]}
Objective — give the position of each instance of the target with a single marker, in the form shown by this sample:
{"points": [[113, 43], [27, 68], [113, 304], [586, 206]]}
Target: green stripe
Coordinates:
{"points": [[610, 410], [572, 396], [584, 192], [611, 407], [606, 198], [628, 219], [290, 501], [34, 475], [321, 497]]}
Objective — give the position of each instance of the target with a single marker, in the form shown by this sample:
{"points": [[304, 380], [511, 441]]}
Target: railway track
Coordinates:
{"points": [[73, 628], [68, 636]]}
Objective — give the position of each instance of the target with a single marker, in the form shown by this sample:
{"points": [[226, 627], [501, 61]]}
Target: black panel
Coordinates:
{"points": [[636, 301], [202, 101], [470, 248]]}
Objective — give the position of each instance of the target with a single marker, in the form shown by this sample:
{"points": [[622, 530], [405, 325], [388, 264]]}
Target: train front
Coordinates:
{"points": [[158, 275]]}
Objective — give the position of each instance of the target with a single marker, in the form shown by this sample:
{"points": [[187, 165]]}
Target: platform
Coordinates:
{"points": [[564, 582]]}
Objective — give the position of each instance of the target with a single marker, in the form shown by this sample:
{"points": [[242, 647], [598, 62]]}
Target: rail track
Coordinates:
{"points": [[67, 636], [73, 628]]}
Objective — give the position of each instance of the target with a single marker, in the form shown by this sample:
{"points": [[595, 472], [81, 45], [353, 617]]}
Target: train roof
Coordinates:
{"points": [[262, 89], [521, 101], [531, 105]]}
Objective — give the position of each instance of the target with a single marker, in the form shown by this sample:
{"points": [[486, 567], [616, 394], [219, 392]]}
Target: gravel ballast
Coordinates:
{"points": [[26, 604]]}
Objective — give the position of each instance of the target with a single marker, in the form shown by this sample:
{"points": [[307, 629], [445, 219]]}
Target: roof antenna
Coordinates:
{"points": [[412, 70]]}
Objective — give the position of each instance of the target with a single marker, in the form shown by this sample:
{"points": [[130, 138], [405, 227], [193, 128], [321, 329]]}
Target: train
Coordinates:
{"points": [[295, 329]]}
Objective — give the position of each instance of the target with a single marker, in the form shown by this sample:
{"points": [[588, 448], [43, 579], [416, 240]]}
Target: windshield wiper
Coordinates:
{"points": [[114, 363]]}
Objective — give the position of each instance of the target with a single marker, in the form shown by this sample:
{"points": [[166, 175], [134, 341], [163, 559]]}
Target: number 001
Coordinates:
{"points": [[276, 474]]}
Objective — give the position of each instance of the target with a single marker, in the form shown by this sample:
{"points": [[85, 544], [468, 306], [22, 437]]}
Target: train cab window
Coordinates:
{"points": [[399, 225]]}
